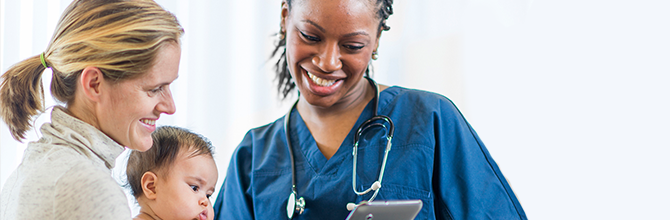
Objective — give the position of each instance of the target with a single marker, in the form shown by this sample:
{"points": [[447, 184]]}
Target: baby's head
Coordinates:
{"points": [[175, 177]]}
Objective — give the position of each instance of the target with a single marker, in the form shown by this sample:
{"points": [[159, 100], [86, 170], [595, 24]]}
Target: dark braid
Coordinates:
{"points": [[284, 80], [385, 10]]}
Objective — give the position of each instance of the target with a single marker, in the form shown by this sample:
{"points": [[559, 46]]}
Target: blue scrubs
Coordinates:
{"points": [[436, 157]]}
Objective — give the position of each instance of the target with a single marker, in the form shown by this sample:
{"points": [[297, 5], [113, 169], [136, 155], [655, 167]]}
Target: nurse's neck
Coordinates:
{"points": [[349, 105], [330, 125]]}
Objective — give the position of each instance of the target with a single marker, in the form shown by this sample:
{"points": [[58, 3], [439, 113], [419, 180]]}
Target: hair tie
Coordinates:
{"points": [[44, 62]]}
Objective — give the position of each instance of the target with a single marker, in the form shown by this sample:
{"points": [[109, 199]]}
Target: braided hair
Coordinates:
{"points": [[284, 80]]}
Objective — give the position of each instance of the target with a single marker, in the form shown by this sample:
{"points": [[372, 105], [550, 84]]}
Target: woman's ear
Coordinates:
{"points": [[379, 36], [149, 185], [284, 15], [90, 81]]}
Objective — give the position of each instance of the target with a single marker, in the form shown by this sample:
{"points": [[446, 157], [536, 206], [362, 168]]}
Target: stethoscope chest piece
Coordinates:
{"points": [[294, 205]]}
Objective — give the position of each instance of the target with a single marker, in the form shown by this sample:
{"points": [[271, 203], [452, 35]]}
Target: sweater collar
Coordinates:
{"points": [[84, 138]]}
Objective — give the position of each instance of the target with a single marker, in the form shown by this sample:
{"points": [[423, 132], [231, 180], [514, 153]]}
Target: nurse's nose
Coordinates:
{"points": [[328, 59]]}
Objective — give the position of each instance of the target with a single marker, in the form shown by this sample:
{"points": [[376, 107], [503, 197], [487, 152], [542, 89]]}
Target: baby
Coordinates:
{"points": [[173, 179]]}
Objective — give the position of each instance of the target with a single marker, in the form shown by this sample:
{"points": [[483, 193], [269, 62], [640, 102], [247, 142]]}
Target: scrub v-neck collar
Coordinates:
{"points": [[306, 150]]}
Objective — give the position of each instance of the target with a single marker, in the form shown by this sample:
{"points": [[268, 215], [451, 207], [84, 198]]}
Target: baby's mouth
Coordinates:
{"points": [[202, 215]]}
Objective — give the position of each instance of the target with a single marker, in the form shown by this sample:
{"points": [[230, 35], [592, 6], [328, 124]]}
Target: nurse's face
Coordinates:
{"points": [[129, 110], [328, 47]]}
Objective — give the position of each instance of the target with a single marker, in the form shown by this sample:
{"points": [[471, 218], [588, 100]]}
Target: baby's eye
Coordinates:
{"points": [[208, 195], [195, 188]]}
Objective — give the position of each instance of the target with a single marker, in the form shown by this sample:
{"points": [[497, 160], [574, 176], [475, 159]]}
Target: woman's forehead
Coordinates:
{"points": [[348, 7], [357, 12]]}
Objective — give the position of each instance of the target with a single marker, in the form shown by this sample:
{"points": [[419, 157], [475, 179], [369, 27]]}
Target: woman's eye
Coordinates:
{"points": [[156, 90], [353, 47], [309, 37], [195, 188]]}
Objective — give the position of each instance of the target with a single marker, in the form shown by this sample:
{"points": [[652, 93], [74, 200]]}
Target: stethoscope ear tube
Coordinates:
{"points": [[368, 123]]}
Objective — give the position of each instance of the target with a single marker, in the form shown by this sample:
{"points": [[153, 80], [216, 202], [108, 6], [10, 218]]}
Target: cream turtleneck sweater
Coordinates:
{"points": [[66, 175]]}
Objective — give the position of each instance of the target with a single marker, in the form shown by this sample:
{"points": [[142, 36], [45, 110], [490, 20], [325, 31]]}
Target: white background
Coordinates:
{"points": [[571, 97]]}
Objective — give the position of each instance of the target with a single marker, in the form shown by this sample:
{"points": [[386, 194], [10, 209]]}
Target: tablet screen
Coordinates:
{"points": [[394, 210]]}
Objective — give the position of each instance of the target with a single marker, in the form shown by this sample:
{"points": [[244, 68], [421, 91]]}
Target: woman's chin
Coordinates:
{"points": [[142, 146]]}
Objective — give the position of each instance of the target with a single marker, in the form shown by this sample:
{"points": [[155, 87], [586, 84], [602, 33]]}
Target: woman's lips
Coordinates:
{"points": [[320, 81], [320, 86], [150, 124]]}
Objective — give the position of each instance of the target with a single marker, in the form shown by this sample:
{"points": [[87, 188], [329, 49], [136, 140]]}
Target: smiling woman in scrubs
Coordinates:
{"points": [[436, 156]]}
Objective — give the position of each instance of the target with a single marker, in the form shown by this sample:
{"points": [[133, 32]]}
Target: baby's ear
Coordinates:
{"points": [[149, 185]]}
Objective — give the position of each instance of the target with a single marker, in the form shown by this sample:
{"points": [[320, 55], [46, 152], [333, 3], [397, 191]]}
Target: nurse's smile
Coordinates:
{"points": [[322, 85]]}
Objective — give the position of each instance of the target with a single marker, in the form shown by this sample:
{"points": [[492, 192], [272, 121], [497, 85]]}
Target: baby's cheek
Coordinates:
{"points": [[210, 209]]}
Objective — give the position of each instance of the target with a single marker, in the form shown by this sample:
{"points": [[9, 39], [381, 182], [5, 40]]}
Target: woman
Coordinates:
{"points": [[112, 62], [305, 158]]}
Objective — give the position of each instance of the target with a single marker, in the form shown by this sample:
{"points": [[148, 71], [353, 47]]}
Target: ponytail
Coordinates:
{"points": [[22, 95], [120, 37]]}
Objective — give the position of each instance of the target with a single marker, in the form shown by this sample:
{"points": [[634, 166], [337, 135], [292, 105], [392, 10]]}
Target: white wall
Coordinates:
{"points": [[570, 97]]}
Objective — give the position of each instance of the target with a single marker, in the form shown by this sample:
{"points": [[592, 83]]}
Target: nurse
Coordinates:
{"points": [[305, 159]]}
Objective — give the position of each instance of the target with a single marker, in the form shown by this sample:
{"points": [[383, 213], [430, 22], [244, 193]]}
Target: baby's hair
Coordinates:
{"points": [[169, 141]]}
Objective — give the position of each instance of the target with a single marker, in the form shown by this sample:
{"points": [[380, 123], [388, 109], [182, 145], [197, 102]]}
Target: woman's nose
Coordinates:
{"points": [[166, 104], [328, 60]]}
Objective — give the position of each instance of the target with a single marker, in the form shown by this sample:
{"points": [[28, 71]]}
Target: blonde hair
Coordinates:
{"points": [[120, 37]]}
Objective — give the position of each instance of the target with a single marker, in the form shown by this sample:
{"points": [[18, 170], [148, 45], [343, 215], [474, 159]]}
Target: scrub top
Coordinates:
{"points": [[435, 157]]}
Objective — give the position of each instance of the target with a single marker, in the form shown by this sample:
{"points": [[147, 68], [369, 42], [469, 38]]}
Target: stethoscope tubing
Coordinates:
{"points": [[290, 149], [389, 137], [368, 123]]}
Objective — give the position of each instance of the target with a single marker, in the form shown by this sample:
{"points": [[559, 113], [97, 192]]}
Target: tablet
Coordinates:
{"points": [[394, 210]]}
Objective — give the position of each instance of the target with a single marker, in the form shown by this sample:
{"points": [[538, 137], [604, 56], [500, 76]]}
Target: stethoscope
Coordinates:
{"points": [[296, 204]]}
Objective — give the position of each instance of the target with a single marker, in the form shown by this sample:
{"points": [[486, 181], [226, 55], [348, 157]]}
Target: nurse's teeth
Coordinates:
{"points": [[148, 121], [320, 81]]}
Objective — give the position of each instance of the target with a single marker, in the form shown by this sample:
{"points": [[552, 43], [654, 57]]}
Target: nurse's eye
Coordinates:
{"points": [[354, 47], [309, 37], [195, 188]]}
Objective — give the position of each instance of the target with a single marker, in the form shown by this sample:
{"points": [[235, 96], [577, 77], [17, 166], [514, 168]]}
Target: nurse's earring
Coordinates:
{"points": [[375, 55]]}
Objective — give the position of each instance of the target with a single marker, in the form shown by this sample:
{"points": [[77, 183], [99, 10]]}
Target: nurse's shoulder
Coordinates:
{"points": [[263, 143], [415, 101]]}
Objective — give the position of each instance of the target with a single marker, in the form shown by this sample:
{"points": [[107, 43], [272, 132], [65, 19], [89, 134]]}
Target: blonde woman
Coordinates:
{"points": [[113, 62]]}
